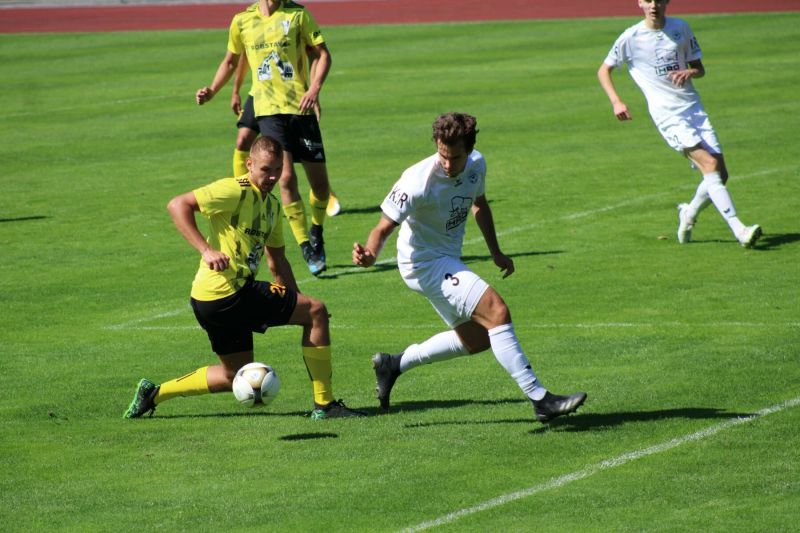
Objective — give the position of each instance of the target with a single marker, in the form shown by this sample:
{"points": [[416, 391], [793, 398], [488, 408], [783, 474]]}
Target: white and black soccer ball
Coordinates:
{"points": [[256, 384]]}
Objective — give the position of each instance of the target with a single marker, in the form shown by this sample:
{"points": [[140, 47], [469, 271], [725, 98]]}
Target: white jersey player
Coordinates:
{"points": [[431, 202], [663, 56]]}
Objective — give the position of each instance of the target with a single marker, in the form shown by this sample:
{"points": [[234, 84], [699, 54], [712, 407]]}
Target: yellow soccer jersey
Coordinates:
{"points": [[275, 46], [242, 221]]}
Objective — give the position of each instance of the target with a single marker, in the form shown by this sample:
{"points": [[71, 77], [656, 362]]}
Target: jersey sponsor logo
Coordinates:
{"points": [[255, 232], [398, 197], [459, 209], [666, 61]]}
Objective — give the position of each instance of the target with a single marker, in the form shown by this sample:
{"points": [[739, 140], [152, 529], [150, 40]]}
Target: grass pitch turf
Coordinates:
{"points": [[100, 130]]}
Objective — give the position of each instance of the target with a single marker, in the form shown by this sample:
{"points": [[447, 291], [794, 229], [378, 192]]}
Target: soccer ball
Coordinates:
{"points": [[256, 384]]}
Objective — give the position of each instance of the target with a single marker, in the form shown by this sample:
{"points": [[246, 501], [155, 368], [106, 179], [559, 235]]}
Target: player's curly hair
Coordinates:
{"points": [[267, 145], [453, 127]]}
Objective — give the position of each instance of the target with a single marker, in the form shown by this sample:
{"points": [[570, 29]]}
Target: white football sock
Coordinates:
{"points": [[700, 200], [508, 352], [440, 347], [722, 201]]}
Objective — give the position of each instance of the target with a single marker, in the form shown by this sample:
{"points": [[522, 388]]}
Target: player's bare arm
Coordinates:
{"points": [[695, 70], [238, 81], [182, 209], [224, 72], [280, 268], [322, 65], [606, 82], [365, 256], [485, 220]]}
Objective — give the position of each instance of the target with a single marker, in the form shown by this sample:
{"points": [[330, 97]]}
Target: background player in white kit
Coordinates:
{"points": [[663, 56], [431, 202]]}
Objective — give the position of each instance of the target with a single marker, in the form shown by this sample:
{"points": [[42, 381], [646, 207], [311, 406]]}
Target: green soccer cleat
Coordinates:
{"points": [[553, 405], [335, 409], [143, 401]]}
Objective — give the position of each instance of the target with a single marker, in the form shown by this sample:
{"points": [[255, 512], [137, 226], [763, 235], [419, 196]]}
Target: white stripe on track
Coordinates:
{"points": [[620, 460]]}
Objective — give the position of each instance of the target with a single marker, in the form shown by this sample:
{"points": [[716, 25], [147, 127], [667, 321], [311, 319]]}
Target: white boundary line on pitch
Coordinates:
{"points": [[134, 325], [608, 464], [509, 231]]}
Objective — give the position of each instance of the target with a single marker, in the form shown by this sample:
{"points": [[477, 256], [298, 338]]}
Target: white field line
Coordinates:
{"points": [[608, 464], [135, 325], [95, 104], [479, 239]]}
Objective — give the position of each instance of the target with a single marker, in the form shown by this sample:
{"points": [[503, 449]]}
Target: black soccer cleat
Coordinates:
{"points": [[317, 242], [553, 405], [387, 369], [315, 264], [143, 402], [335, 409]]}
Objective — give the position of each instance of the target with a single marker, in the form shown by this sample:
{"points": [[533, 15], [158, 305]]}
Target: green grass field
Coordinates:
{"points": [[690, 354]]}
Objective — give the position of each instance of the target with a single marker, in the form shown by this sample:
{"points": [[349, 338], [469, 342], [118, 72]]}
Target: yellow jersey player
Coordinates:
{"points": [[245, 224], [274, 37]]}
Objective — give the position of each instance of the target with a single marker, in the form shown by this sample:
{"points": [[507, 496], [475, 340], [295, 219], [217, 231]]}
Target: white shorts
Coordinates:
{"points": [[688, 129], [451, 288]]}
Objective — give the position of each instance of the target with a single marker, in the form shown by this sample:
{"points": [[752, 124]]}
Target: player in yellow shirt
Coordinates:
{"points": [[248, 125], [274, 37], [229, 303]]}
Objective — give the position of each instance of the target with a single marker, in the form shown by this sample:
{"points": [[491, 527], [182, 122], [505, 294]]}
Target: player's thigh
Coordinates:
{"points": [[306, 139], [308, 311], [452, 289]]}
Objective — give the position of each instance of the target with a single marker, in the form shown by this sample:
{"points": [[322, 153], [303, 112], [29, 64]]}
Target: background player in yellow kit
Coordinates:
{"points": [[274, 37]]}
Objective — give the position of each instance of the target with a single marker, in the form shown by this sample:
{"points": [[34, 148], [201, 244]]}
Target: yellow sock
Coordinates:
{"points": [[296, 215], [240, 162], [318, 209], [318, 364], [192, 384]]}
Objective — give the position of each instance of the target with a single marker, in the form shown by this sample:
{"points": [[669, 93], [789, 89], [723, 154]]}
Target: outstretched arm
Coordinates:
{"points": [[366, 255], [483, 216], [224, 73], [620, 109], [182, 209]]}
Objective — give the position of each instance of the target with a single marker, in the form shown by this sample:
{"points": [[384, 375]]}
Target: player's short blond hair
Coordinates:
{"points": [[266, 145]]}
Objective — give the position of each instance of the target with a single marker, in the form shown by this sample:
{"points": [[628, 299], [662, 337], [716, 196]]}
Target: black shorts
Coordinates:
{"points": [[248, 117], [298, 134], [231, 321]]}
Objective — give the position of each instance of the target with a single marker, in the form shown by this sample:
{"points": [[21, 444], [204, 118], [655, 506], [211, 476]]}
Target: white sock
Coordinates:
{"points": [[508, 352], [440, 347], [722, 201], [700, 200]]}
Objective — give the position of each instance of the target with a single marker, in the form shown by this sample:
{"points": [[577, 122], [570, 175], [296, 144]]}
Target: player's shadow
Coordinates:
{"points": [[23, 219], [360, 210], [604, 421], [770, 242]]}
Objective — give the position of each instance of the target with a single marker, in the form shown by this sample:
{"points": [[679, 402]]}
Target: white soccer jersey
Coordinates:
{"points": [[432, 208], [651, 55]]}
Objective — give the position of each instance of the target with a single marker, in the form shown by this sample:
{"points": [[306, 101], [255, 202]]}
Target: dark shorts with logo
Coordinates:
{"points": [[231, 321], [298, 134], [248, 117]]}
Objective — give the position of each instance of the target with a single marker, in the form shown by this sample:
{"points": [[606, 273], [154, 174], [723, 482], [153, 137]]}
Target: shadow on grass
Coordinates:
{"points": [[769, 242], [21, 219], [309, 436], [349, 270], [604, 421]]}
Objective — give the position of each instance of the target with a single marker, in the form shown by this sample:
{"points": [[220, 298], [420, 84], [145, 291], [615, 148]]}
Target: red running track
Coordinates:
{"points": [[335, 12]]}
